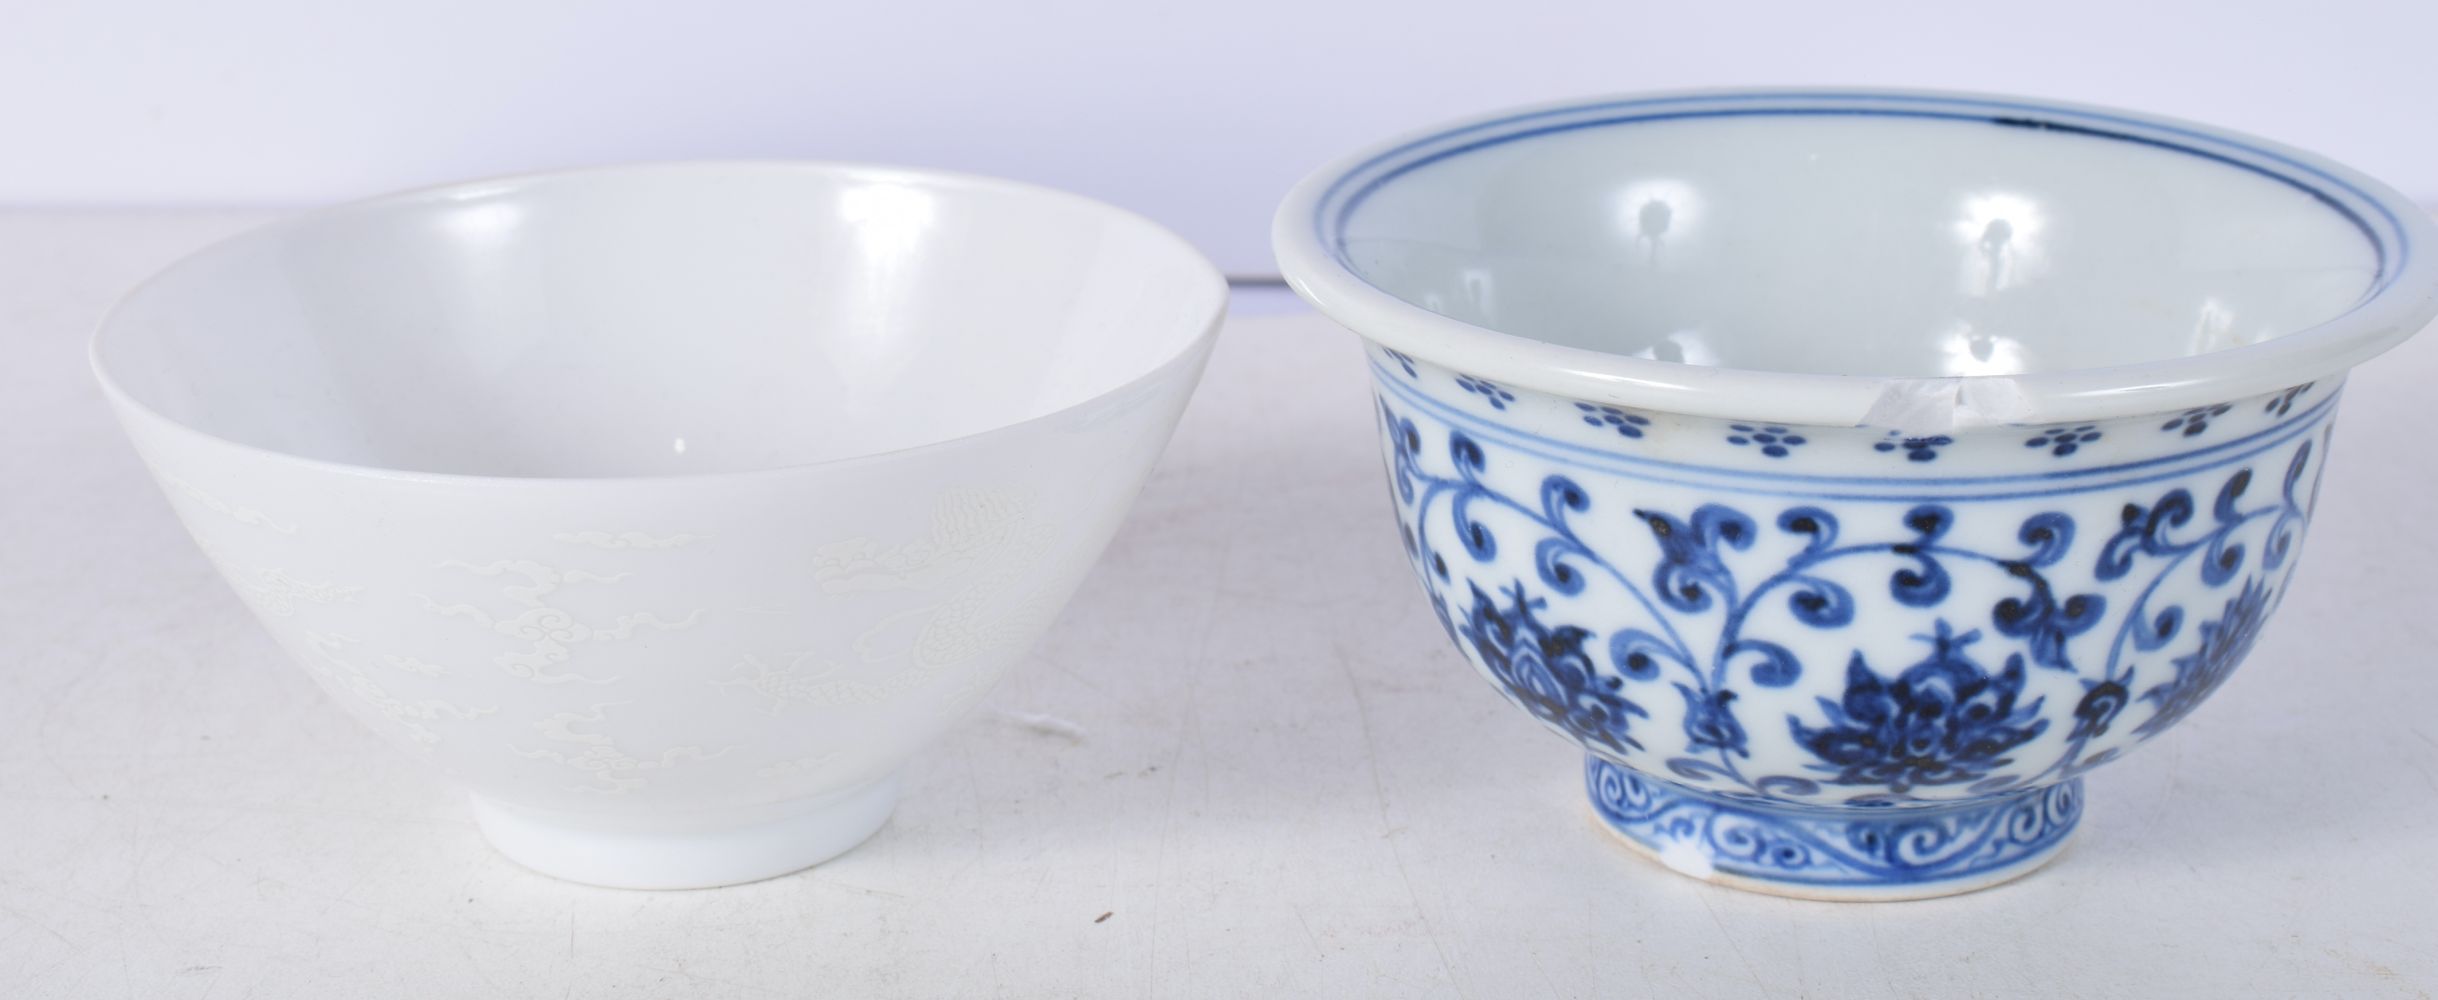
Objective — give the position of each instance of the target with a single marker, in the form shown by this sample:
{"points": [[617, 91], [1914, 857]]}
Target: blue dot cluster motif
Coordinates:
{"points": [[1918, 449], [2283, 403], [2196, 420], [1626, 424], [2063, 441], [1775, 441], [1779, 441], [1498, 396]]}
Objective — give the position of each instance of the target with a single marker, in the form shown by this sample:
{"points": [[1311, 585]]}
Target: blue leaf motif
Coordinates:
{"points": [[2044, 624], [2101, 700], [2144, 532], [2230, 492], [1638, 654], [1467, 454], [2050, 534], [1820, 603], [1407, 442], [1925, 583], [1689, 569], [1475, 535], [2225, 556], [2039, 618], [1819, 527], [1560, 495], [1549, 557], [1777, 667], [2162, 630], [1930, 522], [1720, 522], [2288, 526]]}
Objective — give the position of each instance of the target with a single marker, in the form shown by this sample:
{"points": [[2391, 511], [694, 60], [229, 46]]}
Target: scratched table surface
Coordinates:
{"points": [[1245, 763]]}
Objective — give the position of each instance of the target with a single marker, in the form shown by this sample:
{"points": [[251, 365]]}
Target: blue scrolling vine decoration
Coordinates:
{"points": [[1945, 720]]}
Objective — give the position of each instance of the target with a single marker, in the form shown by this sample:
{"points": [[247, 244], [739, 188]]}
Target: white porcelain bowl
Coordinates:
{"points": [[1850, 472], [668, 509]]}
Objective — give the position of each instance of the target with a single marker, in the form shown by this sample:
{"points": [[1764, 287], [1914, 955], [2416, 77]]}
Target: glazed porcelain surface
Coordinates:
{"points": [[1849, 473], [669, 509]]}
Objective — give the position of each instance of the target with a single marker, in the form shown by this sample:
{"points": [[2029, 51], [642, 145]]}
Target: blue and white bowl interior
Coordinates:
{"points": [[1849, 473]]}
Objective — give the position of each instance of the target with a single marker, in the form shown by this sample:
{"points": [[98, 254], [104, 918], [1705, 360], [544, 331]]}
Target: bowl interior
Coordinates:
{"points": [[1846, 242], [659, 320]]}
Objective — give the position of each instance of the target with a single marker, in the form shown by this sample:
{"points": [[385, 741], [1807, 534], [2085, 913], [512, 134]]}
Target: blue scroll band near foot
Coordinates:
{"points": [[1912, 852]]}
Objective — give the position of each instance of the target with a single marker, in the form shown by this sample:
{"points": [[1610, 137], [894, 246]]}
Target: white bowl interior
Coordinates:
{"points": [[659, 320], [1859, 244]]}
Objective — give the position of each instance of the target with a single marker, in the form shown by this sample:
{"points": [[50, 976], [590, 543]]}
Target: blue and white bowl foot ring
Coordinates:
{"points": [[1844, 855]]}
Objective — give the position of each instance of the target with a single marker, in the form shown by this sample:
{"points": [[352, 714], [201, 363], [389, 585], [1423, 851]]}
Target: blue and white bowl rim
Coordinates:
{"points": [[1307, 235]]}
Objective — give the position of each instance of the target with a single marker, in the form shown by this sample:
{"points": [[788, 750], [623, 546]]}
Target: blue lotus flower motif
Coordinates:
{"points": [[1943, 721], [2223, 645], [1546, 670]]}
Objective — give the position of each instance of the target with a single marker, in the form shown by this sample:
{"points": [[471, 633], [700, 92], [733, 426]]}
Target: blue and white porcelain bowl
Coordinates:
{"points": [[1849, 472]]}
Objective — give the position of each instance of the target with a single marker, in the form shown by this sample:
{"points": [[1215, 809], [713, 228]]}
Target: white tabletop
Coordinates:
{"points": [[1246, 762]]}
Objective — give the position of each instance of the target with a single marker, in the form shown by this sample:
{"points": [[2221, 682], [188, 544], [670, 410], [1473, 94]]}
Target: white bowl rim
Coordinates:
{"points": [[1186, 353], [2402, 299]]}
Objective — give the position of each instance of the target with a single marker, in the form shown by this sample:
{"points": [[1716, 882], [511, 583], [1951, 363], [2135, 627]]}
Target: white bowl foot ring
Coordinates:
{"points": [[1840, 854], [784, 838]]}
